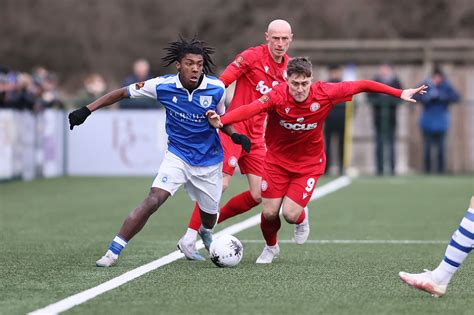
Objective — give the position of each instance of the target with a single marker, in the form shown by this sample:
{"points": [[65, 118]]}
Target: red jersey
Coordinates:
{"points": [[294, 136], [256, 73]]}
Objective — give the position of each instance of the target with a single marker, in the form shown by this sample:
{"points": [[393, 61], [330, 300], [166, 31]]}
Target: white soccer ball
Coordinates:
{"points": [[226, 251]]}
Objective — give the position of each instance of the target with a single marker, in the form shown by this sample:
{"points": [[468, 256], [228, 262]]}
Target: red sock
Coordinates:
{"points": [[270, 229], [241, 203], [195, 221], [301, 217]]}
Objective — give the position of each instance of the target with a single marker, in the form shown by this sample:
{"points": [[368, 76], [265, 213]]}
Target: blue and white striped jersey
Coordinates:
{"points": [[190, 136]]}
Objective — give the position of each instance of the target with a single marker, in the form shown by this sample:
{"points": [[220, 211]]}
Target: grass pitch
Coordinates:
{"points": [[52, 232]]}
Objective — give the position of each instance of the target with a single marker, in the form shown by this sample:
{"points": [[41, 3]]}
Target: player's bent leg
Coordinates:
{"points": [[238, 204], [255, 187], [132, 225], [302, 229], [208, 220], [270, 224], [296, 214]]}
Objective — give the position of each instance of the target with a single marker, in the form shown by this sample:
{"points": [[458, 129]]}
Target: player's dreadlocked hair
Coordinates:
{"points": [[178, 49]]}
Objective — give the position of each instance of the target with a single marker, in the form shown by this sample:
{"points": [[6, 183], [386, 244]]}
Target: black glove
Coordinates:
{"points": [[78, 116], [243, 140]]}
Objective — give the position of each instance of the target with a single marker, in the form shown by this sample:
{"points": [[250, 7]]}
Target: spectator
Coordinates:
{"points": [[434, 121], [384, 109], [141, 73], [50, 96], [94, 86], [26, 93], [8, 83], [334, 126]]}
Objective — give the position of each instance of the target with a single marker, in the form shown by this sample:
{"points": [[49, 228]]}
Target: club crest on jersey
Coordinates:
{"points": [[205, 101], [287, 110], [139, 85], [285, 75], [164, 179], [238, 61], [175, 99], [314, 107], [305, 195], [264, 185]]}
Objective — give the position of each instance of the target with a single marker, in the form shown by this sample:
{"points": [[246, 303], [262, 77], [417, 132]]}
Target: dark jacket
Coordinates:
{"points": [[435, 116]]}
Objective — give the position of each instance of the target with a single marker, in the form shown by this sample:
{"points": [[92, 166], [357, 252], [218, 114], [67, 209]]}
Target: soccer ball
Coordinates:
{"points": [[226, 251]]}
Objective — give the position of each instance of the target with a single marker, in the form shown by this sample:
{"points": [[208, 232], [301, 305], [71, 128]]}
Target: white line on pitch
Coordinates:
{"points": [[395, 242], [81, 297]]}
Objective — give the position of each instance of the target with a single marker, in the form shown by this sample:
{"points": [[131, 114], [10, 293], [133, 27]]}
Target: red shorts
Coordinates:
{"points": [[278, 182], [249, 163]]}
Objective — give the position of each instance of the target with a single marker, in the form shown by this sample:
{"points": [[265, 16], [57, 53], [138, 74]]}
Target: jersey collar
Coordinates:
{"points": [[201, 86]]}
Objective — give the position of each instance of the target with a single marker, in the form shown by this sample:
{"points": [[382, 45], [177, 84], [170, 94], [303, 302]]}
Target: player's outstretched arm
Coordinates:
{"points": [[407, 95], [80, 115], [215, 121]]}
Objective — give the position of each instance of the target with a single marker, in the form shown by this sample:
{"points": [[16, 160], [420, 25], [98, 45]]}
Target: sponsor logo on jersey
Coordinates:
{"points": [[238, 61], [285, 75], [300, 119], [264, 185], [275, 83], [314, 107], [232, 161], [139, 85], [164, 179], [287, 110], [175, 99], [298, 126], [305, 195], [205, 101], [264, 99], [266, 69], [262, 88]]}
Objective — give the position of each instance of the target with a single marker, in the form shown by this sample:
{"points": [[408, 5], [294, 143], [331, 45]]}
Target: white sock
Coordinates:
{"points": [[457, 250]]}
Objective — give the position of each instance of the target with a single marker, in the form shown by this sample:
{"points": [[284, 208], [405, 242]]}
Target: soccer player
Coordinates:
{"points": [[295, 151], [194, 156], [256, 71], [436, 282]]}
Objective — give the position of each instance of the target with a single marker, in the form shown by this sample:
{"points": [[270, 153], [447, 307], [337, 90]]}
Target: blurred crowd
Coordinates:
{"points": [[39, 90], [35, 91]]}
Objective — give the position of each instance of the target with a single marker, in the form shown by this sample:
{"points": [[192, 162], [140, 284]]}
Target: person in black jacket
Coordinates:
{"points": [[385, 119], [334, 127]]}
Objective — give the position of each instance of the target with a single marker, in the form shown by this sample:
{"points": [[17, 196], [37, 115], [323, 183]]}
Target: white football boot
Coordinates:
{"points": [[302, 230], [425, 282], [108, 260], [269, 253], [189, 250]]}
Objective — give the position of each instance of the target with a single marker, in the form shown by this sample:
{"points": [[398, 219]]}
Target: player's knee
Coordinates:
{"points": [[290, 217], [269, 214], [256, 195], [152, 202]]}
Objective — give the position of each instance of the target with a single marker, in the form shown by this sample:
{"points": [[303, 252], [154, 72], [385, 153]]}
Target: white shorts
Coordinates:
{"points": [[202, 183]]}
